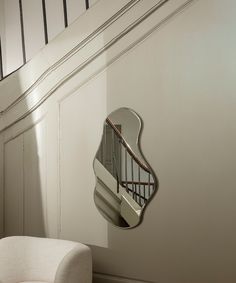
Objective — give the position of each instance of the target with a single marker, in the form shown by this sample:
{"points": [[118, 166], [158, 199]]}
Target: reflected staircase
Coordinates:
{"points": [[124, 181]]}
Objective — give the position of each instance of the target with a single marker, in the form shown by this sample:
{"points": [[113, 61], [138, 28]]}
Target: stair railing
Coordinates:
{"points": [[136, 177], [44, 26]]}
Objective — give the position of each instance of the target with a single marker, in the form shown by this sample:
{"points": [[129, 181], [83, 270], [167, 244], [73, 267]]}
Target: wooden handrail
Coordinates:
{"points": [[126, 145], [137, 183]]}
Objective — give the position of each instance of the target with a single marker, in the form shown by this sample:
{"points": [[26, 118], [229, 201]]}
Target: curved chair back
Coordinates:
{"points": [[29, 259]]}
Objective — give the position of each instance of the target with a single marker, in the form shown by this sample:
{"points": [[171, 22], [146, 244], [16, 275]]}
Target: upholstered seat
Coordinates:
{"points": [[41, 260]]}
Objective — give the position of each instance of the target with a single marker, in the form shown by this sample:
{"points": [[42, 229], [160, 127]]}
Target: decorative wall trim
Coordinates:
{"points": [[106, 278], [16, 133], [8, 139], [66, 68], [19, 5], [72, 52]]}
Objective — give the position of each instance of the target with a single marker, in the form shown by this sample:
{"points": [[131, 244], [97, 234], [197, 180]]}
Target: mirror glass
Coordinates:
{"points": [[125, 182]]}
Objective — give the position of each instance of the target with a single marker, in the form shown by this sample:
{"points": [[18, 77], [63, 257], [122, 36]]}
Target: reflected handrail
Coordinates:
{"points": [[126, 145]]}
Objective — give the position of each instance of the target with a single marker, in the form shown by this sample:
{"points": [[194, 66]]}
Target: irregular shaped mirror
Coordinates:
{"points": [[124, 181]]}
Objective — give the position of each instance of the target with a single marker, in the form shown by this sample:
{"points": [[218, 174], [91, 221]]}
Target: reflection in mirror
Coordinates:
{"points": [[125, 182]]}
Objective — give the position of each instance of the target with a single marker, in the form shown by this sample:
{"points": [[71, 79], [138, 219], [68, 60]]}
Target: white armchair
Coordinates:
{"points": [[41, 260]]}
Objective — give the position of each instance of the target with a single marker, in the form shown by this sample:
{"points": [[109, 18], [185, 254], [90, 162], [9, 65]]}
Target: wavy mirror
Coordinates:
{"points": [[125, 182]]}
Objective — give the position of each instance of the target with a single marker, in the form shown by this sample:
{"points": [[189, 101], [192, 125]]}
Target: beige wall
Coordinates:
{"points": [[180, 79]]}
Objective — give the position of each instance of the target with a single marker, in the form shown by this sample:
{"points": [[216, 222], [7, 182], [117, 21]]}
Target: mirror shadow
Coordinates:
{"points": [[125, 182]]}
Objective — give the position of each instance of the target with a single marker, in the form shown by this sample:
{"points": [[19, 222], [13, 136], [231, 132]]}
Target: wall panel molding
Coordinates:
{"points": [[67, 51], [13, 188], [23, 127], [125, 29], [37, 175]]}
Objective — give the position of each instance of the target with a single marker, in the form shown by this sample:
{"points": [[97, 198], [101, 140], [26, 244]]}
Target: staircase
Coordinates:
{"points": [[21, 20]]}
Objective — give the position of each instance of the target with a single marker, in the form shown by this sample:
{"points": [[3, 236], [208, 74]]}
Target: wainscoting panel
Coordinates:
{"points": [[27, 146], [14, 187], [80, 131], [35, 190]]}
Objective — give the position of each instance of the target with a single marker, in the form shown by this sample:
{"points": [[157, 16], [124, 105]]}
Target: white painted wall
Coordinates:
{"points": [[181, 80]]}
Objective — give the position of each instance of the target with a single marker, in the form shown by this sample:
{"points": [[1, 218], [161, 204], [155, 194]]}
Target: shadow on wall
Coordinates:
{"points": [[24, 174]]}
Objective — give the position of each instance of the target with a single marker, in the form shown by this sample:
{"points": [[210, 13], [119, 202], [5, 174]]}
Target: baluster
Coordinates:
{"points": [[45, 21], [126, 170], [119, 154], [132, 176], [112, 152], [149, 188], [139, 178], [22, 32], [87, 4], [65, 13], [144, 194], [104, 146]]}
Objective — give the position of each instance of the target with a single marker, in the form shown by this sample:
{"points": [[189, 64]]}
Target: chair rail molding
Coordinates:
{"points": [[87, 47]]}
